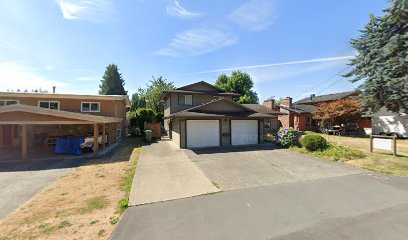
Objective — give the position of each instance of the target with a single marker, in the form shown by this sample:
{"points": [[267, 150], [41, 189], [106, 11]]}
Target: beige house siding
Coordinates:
{"points": [[225, 132], [176, 131], [108, 108]]}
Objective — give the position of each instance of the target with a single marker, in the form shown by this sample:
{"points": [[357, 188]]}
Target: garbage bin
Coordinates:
{"points": [[148, 135]]}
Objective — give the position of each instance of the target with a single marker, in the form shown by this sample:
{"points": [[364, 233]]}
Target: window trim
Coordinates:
{"points": [[59, 104], [9, 100], [184, 100], [120, 133], [90, 110], [308, 124]]}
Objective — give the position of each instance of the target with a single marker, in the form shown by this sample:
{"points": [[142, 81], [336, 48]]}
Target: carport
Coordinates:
{"points": [[18, 121]]}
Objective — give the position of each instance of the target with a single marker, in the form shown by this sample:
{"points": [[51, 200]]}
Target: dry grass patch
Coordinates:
{"points": [[81, 205], [379, 161]]}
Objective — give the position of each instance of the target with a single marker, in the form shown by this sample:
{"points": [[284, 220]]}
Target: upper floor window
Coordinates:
{"points": [[185, 99], [8, 102], [55, 105], [90, 107]]}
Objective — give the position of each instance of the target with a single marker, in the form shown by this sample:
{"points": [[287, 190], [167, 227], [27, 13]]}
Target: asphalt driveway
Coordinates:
{"points": [[256, 166], [20, 181]]}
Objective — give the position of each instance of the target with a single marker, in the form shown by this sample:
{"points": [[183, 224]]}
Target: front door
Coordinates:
{"points": [[7, 134]]}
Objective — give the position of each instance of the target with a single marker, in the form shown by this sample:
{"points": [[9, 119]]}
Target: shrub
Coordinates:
{"points": [[287, 137], [138, 118], [314, 142]]}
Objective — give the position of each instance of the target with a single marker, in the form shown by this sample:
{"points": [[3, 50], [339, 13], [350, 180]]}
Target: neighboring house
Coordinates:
{"points": [[299, 114], [201, 115], [36, 120], [389, 123]]}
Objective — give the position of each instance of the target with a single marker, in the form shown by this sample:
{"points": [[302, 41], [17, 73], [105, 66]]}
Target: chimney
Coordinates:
{"points": [[312, 96], [269, 103], [53, 89], [287, 102]]}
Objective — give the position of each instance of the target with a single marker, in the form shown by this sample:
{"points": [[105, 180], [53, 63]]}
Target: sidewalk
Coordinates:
{"points": [[165, 173]]}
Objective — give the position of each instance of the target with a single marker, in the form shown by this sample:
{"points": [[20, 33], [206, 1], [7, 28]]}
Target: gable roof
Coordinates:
{"points": [[194, 89], [219, 108], [262, 109], [325, 98], [57, 113], [188, 87], [300, 108]]}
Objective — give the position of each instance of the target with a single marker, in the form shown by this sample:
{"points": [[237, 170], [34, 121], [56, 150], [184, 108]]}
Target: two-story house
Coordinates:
{"points": [[201, 115], [35, 120]]}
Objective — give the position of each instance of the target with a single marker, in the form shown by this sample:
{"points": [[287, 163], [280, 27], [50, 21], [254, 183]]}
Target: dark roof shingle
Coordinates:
{"points": [[325, 98]]}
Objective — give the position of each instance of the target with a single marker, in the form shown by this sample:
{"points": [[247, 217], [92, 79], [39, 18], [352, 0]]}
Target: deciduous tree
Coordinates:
{"points": [[238, 82], [341, 111]]}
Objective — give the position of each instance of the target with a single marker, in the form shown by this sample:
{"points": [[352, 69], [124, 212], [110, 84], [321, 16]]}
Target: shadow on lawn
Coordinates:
{"points": [[119, 153]]}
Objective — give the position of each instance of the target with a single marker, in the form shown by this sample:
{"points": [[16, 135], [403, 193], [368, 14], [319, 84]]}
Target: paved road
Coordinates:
{"points": [[21, 181], [359, 206]]}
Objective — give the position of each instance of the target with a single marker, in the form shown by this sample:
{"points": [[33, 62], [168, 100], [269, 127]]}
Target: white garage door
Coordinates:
{"points": [[203, 133], [244, 132]]}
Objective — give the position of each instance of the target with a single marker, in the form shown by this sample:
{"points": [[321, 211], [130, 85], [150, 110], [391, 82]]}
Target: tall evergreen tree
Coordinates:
{"points": [[112, 82], [382, 60]]}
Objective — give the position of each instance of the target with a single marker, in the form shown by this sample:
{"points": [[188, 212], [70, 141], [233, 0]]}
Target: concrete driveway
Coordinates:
{"points": [[256, 166], [20, 181], [165, 173]]}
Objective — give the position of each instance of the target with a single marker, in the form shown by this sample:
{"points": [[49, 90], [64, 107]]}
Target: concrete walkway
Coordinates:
{"points": [[165, 173]]}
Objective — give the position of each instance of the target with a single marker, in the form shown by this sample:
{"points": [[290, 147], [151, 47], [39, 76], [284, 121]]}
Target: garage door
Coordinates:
{"points": [[203, 133], [244, 132]]}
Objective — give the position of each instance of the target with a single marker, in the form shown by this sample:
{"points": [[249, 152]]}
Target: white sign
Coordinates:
{"points": [[381, 143]]}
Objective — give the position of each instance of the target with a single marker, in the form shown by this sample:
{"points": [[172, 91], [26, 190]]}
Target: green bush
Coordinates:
{"points": [[138, 118], [314, 142]]}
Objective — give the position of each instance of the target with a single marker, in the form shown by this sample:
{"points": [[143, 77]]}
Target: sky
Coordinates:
{"points": [[289, 47]]}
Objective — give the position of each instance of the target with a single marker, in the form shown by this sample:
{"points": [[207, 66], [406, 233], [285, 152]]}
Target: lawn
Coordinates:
{"points": [[378, 161], [85, 204]]}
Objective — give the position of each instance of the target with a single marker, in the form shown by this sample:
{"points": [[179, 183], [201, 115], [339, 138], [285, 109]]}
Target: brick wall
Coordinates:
{"points": [[269, 104]]}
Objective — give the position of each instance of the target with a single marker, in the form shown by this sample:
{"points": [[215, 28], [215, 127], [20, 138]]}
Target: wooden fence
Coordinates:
{"points": [[156, 129]]}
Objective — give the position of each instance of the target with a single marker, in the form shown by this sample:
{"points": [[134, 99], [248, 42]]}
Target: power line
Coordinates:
{"points": [[326, 80]]}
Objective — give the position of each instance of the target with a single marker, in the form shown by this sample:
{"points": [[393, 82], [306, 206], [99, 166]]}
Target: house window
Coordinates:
{"points": [[118, 133], [49, 104], [8, 102], [90, 107], [185, 99], [308, 120], [267, 124]]}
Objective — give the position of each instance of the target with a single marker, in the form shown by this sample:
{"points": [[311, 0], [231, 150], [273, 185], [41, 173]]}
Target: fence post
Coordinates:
{"points": [[371, 143]]}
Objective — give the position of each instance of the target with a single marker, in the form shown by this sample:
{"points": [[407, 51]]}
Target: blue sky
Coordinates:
{"points": [[287, 46]]}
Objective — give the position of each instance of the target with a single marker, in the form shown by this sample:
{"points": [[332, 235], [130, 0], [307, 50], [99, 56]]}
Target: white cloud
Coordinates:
{"points": [[16, 76], [88, 10], [197, 41], [175, 9], [291, 71], [254, 15], [49, 67], [315, 60]]}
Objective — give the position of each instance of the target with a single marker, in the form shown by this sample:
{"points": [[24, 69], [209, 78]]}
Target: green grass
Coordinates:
{"points": [[101, 233], [334, 152], [127, 181], [94, 203], [64, 224]]}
